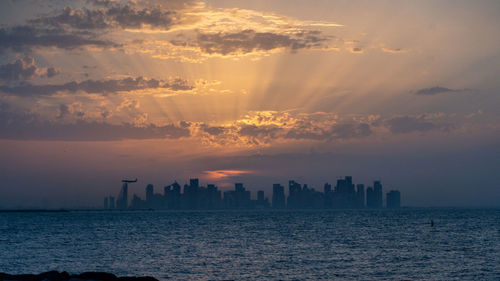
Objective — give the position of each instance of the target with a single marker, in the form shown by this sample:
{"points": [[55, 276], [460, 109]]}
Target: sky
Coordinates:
{"points": [[259, 92]]}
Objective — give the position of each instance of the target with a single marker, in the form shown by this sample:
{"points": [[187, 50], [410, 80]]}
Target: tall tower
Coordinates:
{"points": [[278, 196], [360, 195], [111, 202], [377, 192], [122, 201], [149, 193]]}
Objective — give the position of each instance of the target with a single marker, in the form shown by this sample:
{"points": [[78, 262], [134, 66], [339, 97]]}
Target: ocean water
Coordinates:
{"points": [[464, 244]]}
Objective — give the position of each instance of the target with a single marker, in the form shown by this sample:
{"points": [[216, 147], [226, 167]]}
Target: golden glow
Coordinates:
{"points": [[224, 174]]}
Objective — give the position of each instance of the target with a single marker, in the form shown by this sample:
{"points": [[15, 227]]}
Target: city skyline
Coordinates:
{"points": [[193, 196], [249, 91]]}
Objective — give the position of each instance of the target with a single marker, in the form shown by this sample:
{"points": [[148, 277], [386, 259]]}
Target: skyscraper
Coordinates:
{"points": [[360, 195], [111, 202], [327, 188], [260, 195], [278, 196], [149, 194], [294, 190], [345, 196], [377, 192], [393, 199], [370, 198], [122, 202]]}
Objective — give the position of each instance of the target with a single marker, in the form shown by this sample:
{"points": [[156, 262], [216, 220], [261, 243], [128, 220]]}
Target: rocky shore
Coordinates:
{"points": [[64, 276]]}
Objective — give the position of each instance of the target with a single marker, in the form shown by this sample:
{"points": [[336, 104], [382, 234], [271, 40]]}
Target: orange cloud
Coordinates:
{"points": [[393, 50], [223, 174]]}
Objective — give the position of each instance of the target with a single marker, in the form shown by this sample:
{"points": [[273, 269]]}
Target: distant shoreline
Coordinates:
{"points": [[227, 210]]}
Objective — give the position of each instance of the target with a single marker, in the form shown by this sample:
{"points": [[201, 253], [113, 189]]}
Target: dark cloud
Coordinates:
{"points": [[24, 69], [351, 130], [66, 110], [103, 3], [213, 130], [356, 50], [22, 38], [261, 132], [338, 131], [435, 90], [51, 72], [114, 15], [298, 134], [21, 69], [28, 126], [75, 18], [128, 17], [247, 41], [266, 127], [97, 86], [409, 124], [63, 111]]}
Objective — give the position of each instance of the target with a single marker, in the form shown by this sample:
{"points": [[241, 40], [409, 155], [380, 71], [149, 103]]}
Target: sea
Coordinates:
{"points": [[400, 244]]}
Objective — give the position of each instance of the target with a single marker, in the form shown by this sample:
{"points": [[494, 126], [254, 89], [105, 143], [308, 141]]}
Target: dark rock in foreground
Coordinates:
{"points": [[64, 276]]}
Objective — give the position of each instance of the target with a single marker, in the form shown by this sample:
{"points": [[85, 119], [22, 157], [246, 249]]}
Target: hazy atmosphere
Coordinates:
{"points": [[259, 92]]}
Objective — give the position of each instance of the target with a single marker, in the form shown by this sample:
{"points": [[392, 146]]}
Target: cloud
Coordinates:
{"points": [[97, 86], [247, 41], [75, 18], [101, 3], [266, 127], [22, 38], [52, 71], [351, 130], [28, 126], [223, 174], [422, 123], [393, 50], [212, 130], [74, 109], [24, 69], [113, 15], [356, 50], [128, 17], [21, 69], [436, 90]]}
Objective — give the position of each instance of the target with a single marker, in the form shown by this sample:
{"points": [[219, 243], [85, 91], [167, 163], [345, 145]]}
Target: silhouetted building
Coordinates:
{"points": [[344, 195], [278, 196], [370, 198], [303, 197], [242, 196], [111, 202], [377, 192], [190, 195], [374, 196], [137, 203], [360, 195], [328, 194], [261, 201], [393, 199], [212, 197], [122, 202], [149, 194], [294, 190]]}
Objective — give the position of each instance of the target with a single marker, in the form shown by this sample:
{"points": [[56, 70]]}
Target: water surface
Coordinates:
{"points": [[464, 244]]}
